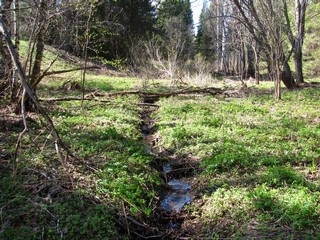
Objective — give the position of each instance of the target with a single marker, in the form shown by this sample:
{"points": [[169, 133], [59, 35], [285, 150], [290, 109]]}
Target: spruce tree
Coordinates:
{"points": [[204, 39], [175, 17]]}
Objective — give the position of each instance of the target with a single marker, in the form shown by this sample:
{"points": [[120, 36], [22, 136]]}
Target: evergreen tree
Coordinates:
{"points": [[204, 39], [175, 8], [175, 18], [138, 17], [114, 26], [127, 21]]}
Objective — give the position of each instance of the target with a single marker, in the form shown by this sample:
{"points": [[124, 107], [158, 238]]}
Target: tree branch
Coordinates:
{"points": [[33, 97], [46, 73]]}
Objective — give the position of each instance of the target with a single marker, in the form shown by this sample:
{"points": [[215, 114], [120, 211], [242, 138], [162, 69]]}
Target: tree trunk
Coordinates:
{"points": [[36, 70], [251, 68], [6, 64], [224, 26], [218, 40], [242, 59], [298, 65], [256, 63], [300, 12], [286, 76], [297, 40], [27, 89], [16, 36], [35, 76]]}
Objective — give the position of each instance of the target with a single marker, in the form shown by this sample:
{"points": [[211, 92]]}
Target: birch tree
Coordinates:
{"points": [[39, 43]]}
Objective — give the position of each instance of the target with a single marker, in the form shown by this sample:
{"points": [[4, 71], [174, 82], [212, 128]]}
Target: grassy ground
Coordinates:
{"points": [[259, 170], [258, 173], [86, 199]]}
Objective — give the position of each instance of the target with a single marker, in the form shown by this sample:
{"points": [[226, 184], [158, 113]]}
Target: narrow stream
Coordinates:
{"points": [[176, 193]]}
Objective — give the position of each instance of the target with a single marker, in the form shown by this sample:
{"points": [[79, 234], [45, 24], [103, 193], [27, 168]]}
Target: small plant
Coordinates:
{"points": [[227, 157], [293, 206], [282, 176]]}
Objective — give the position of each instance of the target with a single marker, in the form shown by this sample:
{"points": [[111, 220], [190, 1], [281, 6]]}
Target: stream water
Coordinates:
{"points": [[177, 197], [177, 191]]}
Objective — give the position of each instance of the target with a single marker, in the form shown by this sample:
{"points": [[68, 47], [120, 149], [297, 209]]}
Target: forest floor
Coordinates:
{"points": [[250, 164]]}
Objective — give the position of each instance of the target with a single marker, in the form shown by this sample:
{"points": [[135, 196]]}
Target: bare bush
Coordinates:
{"points": [[198, 71]]}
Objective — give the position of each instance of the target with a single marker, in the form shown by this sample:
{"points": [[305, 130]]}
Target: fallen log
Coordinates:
{"points": [[212, 91], [73, 99]]}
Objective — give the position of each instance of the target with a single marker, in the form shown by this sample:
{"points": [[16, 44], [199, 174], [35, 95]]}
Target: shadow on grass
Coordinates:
{"points": [[39, 205], [34, 211]]}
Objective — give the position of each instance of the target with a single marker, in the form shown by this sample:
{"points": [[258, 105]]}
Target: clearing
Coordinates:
{"points": [[156, 160]]}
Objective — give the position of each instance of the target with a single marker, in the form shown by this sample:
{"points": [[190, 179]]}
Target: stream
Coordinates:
{"points": [[176, 192]]}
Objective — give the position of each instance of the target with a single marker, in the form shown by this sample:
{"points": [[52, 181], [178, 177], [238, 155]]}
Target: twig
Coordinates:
{"points": [[68, 70], [126, 219], [23, 113], [148, 237], [141, 236], [137, 223], [45, 72]]}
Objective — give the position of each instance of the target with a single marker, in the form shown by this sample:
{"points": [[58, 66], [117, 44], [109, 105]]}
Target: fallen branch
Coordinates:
{"points": [[212, 91], [147, 104], [68, 70], [72, 99]]}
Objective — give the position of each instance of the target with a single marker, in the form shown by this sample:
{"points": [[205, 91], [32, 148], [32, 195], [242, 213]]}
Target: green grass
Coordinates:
{"points": [[110, 134], [50, 54], [258, 158], [107, 137]]}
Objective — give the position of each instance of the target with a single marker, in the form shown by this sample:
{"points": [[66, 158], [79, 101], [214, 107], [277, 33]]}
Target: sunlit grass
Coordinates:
{"points": [[50, 56], [255, 154], [116, 172], [109, 135]]}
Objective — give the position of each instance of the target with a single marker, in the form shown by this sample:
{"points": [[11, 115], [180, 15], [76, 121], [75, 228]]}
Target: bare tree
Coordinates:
{"points": [[166, 55], [28, 90], [297, 39], [263, 19]]}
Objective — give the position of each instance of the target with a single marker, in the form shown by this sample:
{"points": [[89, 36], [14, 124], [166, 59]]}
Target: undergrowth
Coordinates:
{"points": [[85, 199]]}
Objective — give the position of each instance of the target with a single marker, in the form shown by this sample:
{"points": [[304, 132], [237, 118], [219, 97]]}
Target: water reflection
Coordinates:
{"points": [[178, 197]]}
